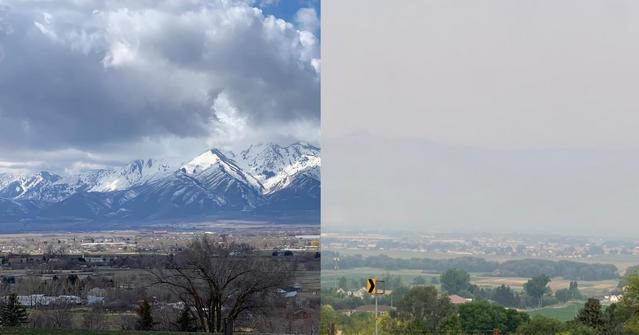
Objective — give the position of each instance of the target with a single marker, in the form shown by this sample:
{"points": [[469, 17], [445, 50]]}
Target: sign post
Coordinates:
{"points": [[371, 287], [375, 314]]}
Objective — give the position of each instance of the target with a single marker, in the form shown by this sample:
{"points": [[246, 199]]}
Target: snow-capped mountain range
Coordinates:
{"points": [[265, 181]]}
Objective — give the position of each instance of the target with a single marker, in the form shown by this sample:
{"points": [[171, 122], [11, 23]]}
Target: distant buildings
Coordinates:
{"points": [[612, 298], [458, 300], [34, 300]]}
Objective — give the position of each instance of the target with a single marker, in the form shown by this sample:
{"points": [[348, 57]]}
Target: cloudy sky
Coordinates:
{"points": [[97, 83], [497, 115]]}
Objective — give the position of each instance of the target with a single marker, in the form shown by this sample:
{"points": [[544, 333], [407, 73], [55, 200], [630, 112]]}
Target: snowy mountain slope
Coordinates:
{"points": [[302, 192], [274, 165], [42, 186], [206, 166], [46, 186], [137, 172], [6, 179], [261, 179]]}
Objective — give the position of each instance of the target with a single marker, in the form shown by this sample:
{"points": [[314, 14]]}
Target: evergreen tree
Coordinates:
{"points": [[12, 313], [342, 283], [145, 320], [185, 320], [574, 290], [591, 315]]}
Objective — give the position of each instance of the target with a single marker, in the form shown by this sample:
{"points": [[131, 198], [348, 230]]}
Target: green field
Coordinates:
{"points": [[564, 313], [330, 278], [30, 331]]}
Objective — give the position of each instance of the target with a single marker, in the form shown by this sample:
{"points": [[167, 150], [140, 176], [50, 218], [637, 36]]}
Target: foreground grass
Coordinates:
{"points": [[564, 313], [31, 331]]}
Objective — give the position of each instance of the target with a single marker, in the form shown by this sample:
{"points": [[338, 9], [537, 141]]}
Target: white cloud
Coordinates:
{"points": [[120, 53], [307, 19], [230, 126], [152, 76]]}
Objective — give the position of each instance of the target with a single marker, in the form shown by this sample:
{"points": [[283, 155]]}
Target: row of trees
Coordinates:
{"points": [[424, 311], [13, 314], [536, 290], [512, 268]]}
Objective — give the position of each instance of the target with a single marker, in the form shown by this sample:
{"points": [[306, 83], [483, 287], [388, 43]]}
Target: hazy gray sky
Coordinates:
{"points": [[93, 83], [481, 115]]}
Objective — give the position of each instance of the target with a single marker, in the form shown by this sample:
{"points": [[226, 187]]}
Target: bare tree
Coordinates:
{"points": [[95, 319], [58, 317], [222, 281]]}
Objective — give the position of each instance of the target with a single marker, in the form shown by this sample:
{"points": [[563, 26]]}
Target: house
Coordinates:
{"points": [[94, 300], [33, 300], [458, 300], [360, 293], [43, 300], [612, 298], [68, 299]]}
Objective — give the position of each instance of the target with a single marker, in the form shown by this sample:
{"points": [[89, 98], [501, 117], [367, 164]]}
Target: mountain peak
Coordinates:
{"points": [[48, 176], [262, 178], [274, 165], [204, 161], [140, 165]]}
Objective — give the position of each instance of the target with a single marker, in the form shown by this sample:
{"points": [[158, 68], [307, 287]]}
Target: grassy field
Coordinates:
{"points": [[330, 277], [588, 288], [562, 313]]}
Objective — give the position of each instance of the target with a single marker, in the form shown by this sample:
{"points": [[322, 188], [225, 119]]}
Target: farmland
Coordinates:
{"points": [[588, 288], [561, 313]]}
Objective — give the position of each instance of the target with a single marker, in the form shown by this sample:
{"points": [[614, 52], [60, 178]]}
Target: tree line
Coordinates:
{"points": [[424, 310], [536, 292], [513, 268]]}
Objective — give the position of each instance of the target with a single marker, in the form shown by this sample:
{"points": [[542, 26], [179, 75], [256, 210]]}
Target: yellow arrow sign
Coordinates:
{"points": [[371, 286]]}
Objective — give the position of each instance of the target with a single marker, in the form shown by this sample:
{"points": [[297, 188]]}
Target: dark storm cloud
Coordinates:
{"points": [[65, 98], [96, 76]]}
